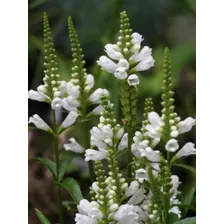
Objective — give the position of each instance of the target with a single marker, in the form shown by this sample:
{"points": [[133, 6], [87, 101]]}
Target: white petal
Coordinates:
{"points": [[176, 211], [56, 103], [138, 197], [141, 175], [112, 52], [133, 80], [90, 81], [74, 146], [136, 38], [187, 150], [120, 73], [95, 96], [144, 54], [97, 110], [132, 189], [83, 219], [73, 90], [39, 122], [95, 155], [145, 64], [70, 119], [107, 64], [124, 142], [154, 119], [69, 103], [172, 145], [186, 125], [38, 96], [123, 63]]}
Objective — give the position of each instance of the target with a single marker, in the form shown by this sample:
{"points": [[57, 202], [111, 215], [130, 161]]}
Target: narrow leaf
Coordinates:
{"points": [[191, 220], [73, 189], [50, 165], [64, 165], [189, 198], [41, 217], [186, 167]]}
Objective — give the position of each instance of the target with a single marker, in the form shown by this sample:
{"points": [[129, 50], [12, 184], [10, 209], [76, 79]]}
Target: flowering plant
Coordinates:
{"points": [[149, 191]]}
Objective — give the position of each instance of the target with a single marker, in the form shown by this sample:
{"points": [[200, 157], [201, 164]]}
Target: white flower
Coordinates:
{"points": [[172, 145], [154, 129], [175, 184], [141, 175], [132, 189], [70, 103], [95, 96], [90, 81], [126, 215], [136, 38], [137, 197], [112, 51], [120, 73], [95, 187], [83, 219], [186, 125], [176, 211], [37, 95], [73, 90], [63, 88], [39, 122], [143, 55], [70, 119], [123, 63], [187, 150], [124, 142], [133, 80], [153, 156], [74, 146], [119, 132], [94, 155], [56, 103], [145, 64], [97, 110], [107, 64]]}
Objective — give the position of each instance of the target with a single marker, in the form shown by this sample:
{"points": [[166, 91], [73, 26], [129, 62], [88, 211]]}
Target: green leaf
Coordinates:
{"points": [[73, 189], [191, 220], [50, 165], [66, 160], [41, 217], [70, 205], [189, 197], [186, 167]]}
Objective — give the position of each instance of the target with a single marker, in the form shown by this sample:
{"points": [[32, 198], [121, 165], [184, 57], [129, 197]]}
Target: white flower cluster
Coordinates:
{"points": [[119, 65], [105, 136]]}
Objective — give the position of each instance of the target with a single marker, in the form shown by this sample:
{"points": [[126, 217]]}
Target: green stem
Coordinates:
{"points": [[59, 193]]}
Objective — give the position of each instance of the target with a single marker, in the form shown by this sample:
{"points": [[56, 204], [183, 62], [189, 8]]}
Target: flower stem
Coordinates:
{"points": [[56, 148]]}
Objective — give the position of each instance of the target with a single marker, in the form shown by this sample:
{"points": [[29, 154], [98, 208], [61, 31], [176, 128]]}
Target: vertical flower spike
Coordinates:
{"points": [[148, 108], [169, 117], [79, 75], [52, 78]]}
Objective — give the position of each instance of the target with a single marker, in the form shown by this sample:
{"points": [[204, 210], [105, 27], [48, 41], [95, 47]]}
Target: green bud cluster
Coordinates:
{"points": [[147, 109], [117, 179], [78, 75], [168, 114], [108, 112], [52, 77]]}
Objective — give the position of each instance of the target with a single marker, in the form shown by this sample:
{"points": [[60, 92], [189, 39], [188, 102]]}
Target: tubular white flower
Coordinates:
{"points": [[141, 175], [172, 145], [186, 125], [81, 219], [74, 146], [133, 80], [120, 73], [107, 64], [97, 110], [39, 122], [38, 96], [56, 103], [137, 197], [124, 142], [126, 215], [112, 52], [73, 90], [145, 64], [187, 150], [94, 155], [175, 184], [136, 38], [70, 119], [62, 88], [70, 103], [145, 53], [90, 81], [123, 63], [119, 133], [153, 156], [154, 129], [132, 189], [95, 96], [176, 211]]}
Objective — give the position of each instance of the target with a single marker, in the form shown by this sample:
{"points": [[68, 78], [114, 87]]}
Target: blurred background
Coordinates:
{"points": [[162, 23]]}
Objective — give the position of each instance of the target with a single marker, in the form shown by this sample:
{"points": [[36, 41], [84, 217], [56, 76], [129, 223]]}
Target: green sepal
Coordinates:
{"points": [[191, 220], [41, 217], [50, 165], [72, 187]]}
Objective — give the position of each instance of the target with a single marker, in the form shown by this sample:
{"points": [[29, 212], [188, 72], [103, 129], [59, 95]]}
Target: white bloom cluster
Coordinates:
{"points": [[155, 128], [119, 65], [104, 136]]}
